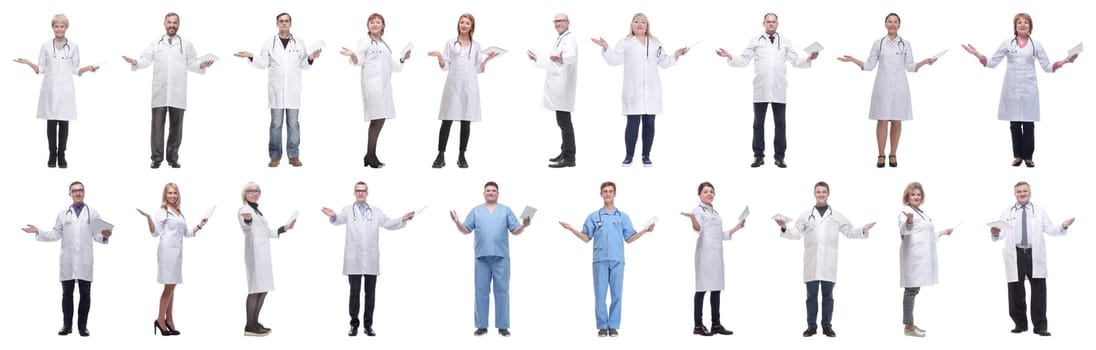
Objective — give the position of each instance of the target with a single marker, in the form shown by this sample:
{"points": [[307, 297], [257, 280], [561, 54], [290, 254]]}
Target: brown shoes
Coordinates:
{"points": [[294, 161], [274, 163]]}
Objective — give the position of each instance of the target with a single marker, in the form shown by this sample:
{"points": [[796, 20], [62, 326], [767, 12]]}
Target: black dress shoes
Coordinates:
{"points": [[439, 162], [702, 331], [65, 331], [504, 332], [369, 332], [757, 162], [603, 333], [1019, 330], [154, 165], [810, 332], [829, 332], [461, 162], [174, 165], [718, 329], [480, 331], [1042, 332], [84, 332], [353, 332], [780, 163], [563, 163], [556, 158]]}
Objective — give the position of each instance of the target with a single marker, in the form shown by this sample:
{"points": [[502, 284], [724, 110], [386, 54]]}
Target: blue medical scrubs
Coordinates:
{"points": [[492, 244], [608, 230]]}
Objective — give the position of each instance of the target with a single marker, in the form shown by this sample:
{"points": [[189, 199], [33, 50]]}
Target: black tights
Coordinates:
{"points": [[254, 306], [374, 132]]}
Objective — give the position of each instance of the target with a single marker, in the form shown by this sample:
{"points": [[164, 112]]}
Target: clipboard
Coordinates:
{"points": [[98, 226], [650, 222], [292, 218], [319, 45], [812, 48], [208, 57], [209, 212], [527, 213]]}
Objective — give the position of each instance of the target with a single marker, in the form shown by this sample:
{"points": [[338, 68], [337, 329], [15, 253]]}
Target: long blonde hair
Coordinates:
{"points": [[471, 30], [638, 15], [178, 202]]}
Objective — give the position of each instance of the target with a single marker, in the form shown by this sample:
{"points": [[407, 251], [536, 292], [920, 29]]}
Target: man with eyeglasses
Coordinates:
{"points": [[491, 221], [1022, 227], [819, 228], [171, 57], [560, 81], [74, 227], [284, 56], [361, 257]]}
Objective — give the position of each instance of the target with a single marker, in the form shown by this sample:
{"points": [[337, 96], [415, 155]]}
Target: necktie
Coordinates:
{"points": [[772, 39], [1023, 227]]}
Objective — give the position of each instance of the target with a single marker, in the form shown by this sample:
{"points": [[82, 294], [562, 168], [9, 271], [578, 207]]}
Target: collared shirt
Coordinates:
{"points": [[1020, 212], [78, 207], [608, 230], [491, 229]]}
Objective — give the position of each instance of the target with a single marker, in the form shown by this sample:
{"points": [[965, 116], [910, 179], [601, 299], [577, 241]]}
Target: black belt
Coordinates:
{"points": [[1024, 250]]}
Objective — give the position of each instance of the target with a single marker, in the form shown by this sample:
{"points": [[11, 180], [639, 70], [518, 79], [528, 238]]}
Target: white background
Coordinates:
{"points": [[955, 147]]}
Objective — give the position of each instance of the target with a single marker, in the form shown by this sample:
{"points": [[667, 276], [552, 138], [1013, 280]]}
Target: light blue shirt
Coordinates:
{"points": [[491, 229], [608, 230]]}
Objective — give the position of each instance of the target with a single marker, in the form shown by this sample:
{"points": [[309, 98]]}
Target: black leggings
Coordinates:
{"points": [[698, 308]]}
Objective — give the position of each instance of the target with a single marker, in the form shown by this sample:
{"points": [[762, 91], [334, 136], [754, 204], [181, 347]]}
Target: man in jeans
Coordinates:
{"points": [[284, 56]]}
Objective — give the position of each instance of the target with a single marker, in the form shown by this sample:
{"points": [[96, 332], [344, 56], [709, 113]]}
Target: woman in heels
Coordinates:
{"points": [[170, 225], [375, 57]]}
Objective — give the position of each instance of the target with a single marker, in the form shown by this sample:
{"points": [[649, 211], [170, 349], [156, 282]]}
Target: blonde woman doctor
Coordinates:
{"points": [[257, 260], [170, 226], [375, 57], [641, 54], [917, 253]]}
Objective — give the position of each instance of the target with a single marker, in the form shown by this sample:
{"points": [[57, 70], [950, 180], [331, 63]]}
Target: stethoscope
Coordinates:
{"points": [[457, 44], [65, 50], [811, 217], [274, 44], [901, 46], [368, 212], [1014, 46], [86, 208], [1012, 212], [376, 49], [708, 209], [560, 39], [178, 38], [776, 38], [658, 52], [599, 220]]}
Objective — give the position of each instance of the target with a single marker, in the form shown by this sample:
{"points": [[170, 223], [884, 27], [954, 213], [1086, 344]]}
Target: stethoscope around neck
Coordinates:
{"points": [[902, 48], [174, 39], [85, 210], [776, 38], [368, 212], [1014, 46], [1016, 208], [65, 50], [658, 53]]}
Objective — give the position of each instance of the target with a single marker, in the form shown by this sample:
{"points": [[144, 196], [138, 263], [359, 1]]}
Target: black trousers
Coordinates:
{"points": [[355, 298], [174, 136], [780, 140], [567, 131], [698, 308], [57, 134], [67, 288], [1023, 139], [1016, 294]]}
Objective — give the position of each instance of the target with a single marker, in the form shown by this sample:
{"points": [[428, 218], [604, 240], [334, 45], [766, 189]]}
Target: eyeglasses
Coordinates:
{"points": [[253, 191], [361, 191], [559, 21], [284, 21], [78, 190]]}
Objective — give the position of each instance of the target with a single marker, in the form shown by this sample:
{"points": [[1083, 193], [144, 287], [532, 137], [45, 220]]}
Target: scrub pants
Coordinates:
{"points": [[608, 276], [494, 269]]}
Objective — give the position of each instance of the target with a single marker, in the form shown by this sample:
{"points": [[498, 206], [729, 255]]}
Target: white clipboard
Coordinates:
{"points": [[1076, 49], [209, 212], [208, 57], [496, 49], [527, 213], [98, 226], [650, 222], [292, 218], [941, 54], [406, 49], [812, 48], [319, 45], [745, 213], [783, 218], [420, 210]]}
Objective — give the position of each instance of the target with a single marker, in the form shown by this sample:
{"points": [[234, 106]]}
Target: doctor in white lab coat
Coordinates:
{"points": [[171, 57], [74, 228], [820, 227], [58, 61], [560, 81], [917, 253], [170, 226], [361, 256], [257, 260], [890, 97], [709, 258], [460, 100], [1020, 92], [284, 56], [770, 53], [641, 54], [1025, 252], [377, 63]]}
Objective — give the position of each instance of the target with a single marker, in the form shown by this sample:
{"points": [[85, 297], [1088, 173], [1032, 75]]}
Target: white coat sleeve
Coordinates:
{"points": [[873, 57], [262, 60], [846, 228], [146, 57], [903, 228], [614, 56], [445, 53], [569, 50], [302, 56], [192, 63], [75, 61], [340, 217], [1050, 228], [390, 223], [55, 233], [998, 55], [1003, 233], [160, 222], [1041, 55], [698, 213], [910, 65], [96, 236], [245, 226], [479, 57], [187, 232], [748, 55], [798, 229], [791, 56], [397, 66], [43, 59], [666, 58]]}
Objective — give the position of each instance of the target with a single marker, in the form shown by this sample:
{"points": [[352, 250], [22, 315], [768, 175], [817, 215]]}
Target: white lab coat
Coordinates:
{"points": [[890, 97], [171, 229], [917, 253], [284, 66], [642, 91], [57, 101], [819, 234], [257, 260], [362, 253], [461, 98], [171, 61], [561, 78], [1020, 91], [709, 249], [1038, 225], [378, 64], [770, 66], [77, 254]]}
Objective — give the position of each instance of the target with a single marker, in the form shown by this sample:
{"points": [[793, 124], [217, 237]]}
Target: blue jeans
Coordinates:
{"points": [[494, 269], [631, 133], [293, 135], [608, 277], [812, 304]]}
